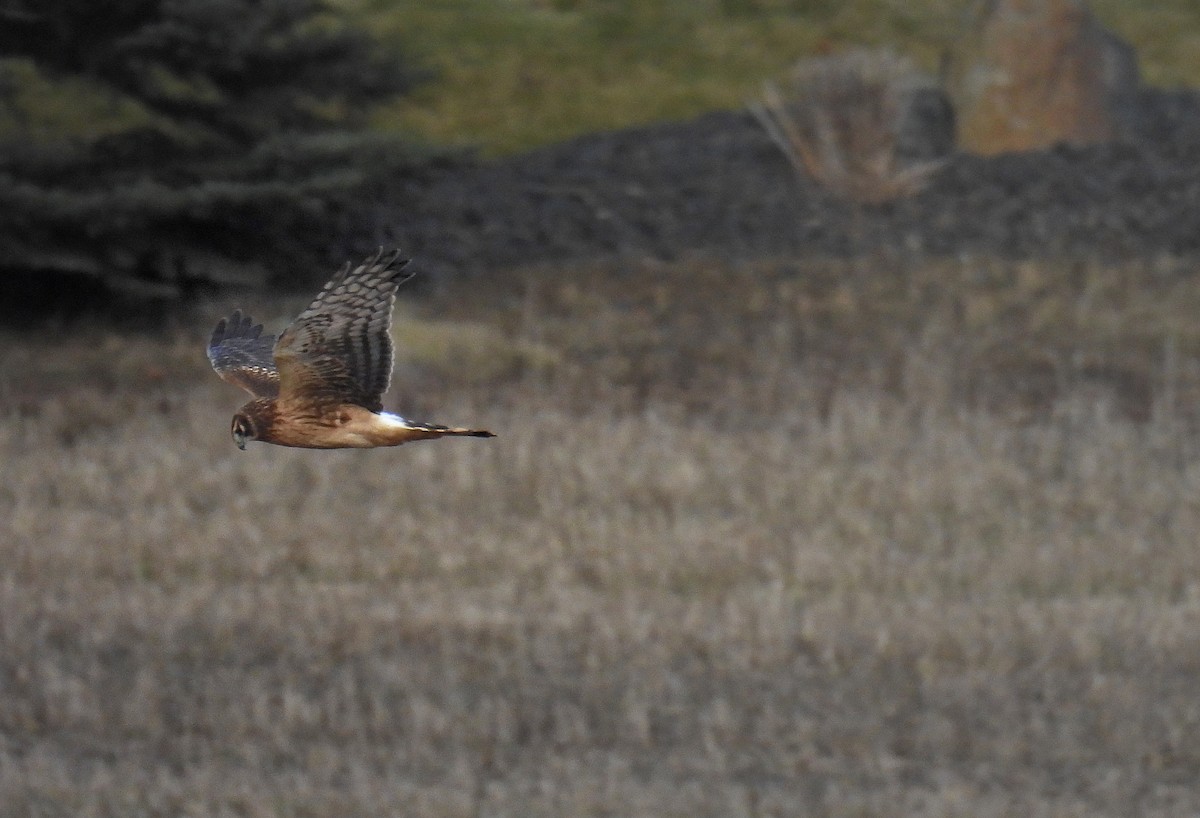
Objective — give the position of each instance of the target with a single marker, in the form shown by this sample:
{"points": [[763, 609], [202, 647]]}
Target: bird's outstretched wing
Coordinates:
{"points": [[339, 350], [243, 356]]}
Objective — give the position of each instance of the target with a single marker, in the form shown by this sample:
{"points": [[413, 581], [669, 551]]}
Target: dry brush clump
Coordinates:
{"points": [[850, 600], [843, 120]]}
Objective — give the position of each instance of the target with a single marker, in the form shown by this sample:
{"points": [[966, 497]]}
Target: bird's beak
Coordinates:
{"points": [[241, 443]]}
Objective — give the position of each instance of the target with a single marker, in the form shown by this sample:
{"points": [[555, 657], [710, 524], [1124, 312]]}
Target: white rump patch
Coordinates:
{"points": [[395, 420]]}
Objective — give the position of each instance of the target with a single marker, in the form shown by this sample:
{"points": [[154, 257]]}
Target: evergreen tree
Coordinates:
{"points": [[219, 139]]}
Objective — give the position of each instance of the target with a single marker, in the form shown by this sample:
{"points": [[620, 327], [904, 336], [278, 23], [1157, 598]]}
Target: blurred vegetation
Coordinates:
{"points": [[513, 74], [158, 144]]}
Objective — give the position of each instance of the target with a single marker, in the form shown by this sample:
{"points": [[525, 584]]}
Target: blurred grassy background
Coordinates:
{"points": [[829, 538], [865, 537], [514, 74]]}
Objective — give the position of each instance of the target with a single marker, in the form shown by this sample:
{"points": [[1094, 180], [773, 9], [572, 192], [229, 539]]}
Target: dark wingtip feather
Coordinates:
{"points": [[396, 263], [235, 326]]}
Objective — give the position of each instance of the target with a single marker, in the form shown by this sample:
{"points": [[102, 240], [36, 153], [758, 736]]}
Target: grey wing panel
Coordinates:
{"points": [[243, 356]]}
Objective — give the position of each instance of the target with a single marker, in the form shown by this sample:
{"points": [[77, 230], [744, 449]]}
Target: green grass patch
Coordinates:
{"points": [[522, 73], [515, 74], [45, 110], [1166, 36]]}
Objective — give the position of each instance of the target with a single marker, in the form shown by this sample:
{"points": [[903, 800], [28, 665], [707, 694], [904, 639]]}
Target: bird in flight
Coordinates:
{"points": [[320, 385]]}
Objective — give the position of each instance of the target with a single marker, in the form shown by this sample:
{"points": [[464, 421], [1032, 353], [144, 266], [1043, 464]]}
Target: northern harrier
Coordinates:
{"points": [[321, 385]]}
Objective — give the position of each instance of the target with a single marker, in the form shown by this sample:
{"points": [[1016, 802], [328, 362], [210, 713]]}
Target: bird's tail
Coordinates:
{"points": [[428, 431], [442, 431], [396, 430]]}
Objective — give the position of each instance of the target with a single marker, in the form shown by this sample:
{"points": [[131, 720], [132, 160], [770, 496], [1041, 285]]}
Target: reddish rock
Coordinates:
{"points": [[1032, 73]]}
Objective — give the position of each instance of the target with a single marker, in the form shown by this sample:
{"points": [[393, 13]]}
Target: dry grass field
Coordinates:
{"points": [[804, 538]]}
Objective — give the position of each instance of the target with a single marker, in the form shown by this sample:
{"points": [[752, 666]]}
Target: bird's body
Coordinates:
{"points": [[349, 427], [321, 384]]}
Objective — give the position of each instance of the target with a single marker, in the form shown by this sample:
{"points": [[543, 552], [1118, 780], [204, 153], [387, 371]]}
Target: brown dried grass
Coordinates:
{"points": [[837, 120], [696, 574]]}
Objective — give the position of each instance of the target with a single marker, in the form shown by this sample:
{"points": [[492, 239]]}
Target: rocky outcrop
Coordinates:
{"points": [[1029, 74]]}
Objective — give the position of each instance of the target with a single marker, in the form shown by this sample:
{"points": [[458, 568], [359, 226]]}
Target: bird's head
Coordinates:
{"points": [[243, 429]]}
